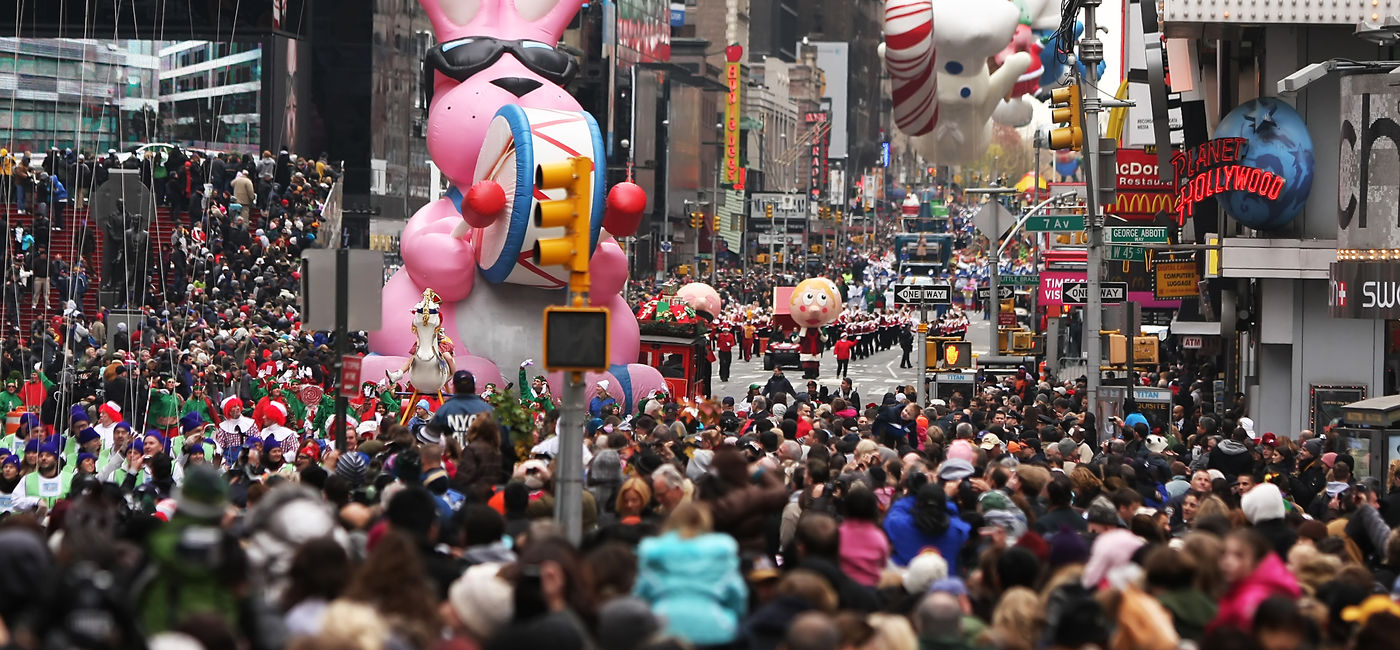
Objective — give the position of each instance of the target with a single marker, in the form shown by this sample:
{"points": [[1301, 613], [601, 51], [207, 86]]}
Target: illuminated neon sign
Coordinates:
{"points": [[1213, 168], [732, 110]]}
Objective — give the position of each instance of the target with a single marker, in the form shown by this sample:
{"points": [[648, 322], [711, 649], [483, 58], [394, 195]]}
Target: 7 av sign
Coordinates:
{"points": [[1077, 293], [923, 294]]}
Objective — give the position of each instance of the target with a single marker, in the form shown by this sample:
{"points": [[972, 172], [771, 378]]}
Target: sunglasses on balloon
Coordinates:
{"points": [[462, 58]]}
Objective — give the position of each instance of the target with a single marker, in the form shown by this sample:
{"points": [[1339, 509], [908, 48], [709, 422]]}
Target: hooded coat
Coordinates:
{"points": [[695, 584], [1270, 578], [1232, 459]]}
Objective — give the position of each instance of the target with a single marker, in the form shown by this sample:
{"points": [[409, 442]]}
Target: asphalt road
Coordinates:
{"points": [[871, 377]]}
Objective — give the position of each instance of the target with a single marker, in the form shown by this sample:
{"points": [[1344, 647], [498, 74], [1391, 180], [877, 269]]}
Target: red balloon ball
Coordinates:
{"points": [[627, 202], [486, 201]]}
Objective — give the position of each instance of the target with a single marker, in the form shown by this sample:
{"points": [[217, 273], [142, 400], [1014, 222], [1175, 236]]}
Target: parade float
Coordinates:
{"points": [[675, 329], [801, 314], [492, 120]]}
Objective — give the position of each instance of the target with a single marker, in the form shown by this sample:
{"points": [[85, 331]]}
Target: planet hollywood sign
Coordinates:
{"points": [[1213, 168]]}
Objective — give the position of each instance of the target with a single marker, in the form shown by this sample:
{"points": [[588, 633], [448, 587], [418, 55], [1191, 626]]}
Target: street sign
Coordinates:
{"points": [[1004, 292], [1031, 280], [1077, 293], [1136, 234], [1127, 254], [1006, 319], [1055, 223], [923, 294], [350, 375], [665, 247]]}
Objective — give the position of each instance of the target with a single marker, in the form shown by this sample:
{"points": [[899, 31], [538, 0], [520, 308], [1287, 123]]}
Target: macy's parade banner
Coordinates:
{"points": [[498, 109]]}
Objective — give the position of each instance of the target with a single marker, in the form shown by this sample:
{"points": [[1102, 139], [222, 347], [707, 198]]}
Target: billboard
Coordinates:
{"points": [[1368, 197], [818, 152], [1141, 191], [642, 32]]}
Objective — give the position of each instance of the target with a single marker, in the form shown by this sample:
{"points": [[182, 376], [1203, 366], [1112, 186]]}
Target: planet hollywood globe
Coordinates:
{"points": [[1278, 142]]}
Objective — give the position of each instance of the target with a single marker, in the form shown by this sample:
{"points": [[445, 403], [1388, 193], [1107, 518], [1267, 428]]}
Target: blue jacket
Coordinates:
{"points": [[906, 540], [695, 584], [456, 414], [595, 405]]}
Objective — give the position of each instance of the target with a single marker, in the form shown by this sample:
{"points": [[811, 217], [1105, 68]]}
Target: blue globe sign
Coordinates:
{"points": [[1278, 142]]}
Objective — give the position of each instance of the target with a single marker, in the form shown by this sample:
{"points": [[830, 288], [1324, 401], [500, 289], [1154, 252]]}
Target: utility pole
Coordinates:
{"points": [[1090, 54]]}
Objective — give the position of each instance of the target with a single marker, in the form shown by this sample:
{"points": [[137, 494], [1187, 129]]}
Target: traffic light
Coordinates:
{"points": [[956, 354], [768, 210], [717, 222], [573, 213], [816, 249], [697, 220], [1064, 109]]}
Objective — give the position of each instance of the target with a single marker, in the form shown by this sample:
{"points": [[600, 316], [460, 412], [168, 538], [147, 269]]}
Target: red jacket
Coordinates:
{"points": [[725, 340], [842, 349]]}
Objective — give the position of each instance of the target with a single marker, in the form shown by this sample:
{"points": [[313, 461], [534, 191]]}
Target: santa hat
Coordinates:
{"points": [[112, 410], [230, 406]]}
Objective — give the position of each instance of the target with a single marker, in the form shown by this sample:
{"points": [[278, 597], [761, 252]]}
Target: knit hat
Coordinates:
{"points": [[626, 624], [112, 409], [190, 422], [1262, 503], [962, 449], [1329, 459], [1313, 446], [87, 435], [203, 494], [994, 500], [482, 600], [49, 446], [31, 445], [79, 414], [351, 467], [955, 469], [1111, 550], [428, 435], [1067, 547], [423, 404], [925, 569], [1101, 511], [1067, 447], [10, 460], [122, 425], [82, 456], [951, 586], [252, 441]]}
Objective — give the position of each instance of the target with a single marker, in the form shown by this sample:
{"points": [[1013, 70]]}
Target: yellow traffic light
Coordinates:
{"points": [[573, 213], [768, 210], [1064, 109], [817, 249], [763, 258], [717, 222]]}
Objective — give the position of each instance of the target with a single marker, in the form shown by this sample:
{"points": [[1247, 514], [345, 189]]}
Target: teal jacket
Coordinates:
{"points": [[695, 584]]}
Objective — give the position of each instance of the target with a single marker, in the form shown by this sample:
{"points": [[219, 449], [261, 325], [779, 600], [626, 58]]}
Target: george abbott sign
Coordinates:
{"points": [[1364, 290]]}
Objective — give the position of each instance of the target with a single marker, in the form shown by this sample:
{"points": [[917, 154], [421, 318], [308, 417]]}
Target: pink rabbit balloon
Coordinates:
{"points": [[505, 54]]}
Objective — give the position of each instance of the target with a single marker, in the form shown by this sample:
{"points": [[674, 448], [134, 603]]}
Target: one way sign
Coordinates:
{"points": [[1077, 293], [1004, 292], [925, 294]]}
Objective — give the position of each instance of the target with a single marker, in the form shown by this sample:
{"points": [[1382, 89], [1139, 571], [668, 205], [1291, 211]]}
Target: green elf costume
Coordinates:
{"points": [[163, 414], [537, 402], [9, 398]]}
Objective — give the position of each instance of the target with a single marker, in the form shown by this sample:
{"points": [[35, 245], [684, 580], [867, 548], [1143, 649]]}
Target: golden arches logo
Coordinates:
{"points": [[1144, 203]]}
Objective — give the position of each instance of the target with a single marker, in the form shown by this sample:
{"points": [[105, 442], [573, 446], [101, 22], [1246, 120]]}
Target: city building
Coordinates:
{"points": [[1289, 338], [211, 95], [87, 94]]}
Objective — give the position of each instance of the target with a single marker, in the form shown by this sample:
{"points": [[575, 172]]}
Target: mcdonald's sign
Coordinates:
{"points": [[1144, 206]]}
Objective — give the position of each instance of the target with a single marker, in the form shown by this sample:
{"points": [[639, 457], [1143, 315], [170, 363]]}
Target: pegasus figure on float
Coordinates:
{"points": [[497, 109]]}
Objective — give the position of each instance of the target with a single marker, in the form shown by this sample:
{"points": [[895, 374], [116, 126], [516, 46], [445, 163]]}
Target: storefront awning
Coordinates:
{"points": [[1195, 328], [1374, 412]]}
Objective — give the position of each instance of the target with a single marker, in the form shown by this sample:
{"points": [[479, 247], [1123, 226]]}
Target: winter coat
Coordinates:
{"points": [[1270, 578], [744, 512], [479, 470], [1232, 459], [695, 584], [907, 540]]}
